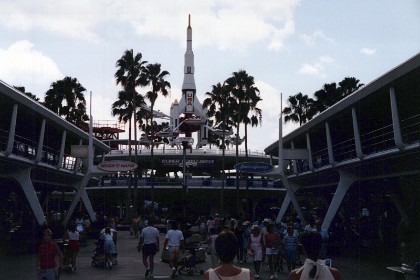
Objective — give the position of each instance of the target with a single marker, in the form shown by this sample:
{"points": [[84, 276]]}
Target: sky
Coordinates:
{"points": [[288, 46]]}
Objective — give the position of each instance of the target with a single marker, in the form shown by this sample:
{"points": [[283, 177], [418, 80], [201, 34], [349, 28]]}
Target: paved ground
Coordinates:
{"points": [[130, 266]]}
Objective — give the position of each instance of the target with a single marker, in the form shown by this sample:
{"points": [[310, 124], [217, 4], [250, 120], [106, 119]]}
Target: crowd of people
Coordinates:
{"points": [[261, 243]]}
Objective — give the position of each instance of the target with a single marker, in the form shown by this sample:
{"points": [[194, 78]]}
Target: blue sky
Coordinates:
{"points": [[289, 46]]}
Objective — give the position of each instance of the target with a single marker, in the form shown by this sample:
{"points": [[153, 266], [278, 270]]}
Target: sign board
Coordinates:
{"points": [[253, 167], [79, 151], [117, 165]]}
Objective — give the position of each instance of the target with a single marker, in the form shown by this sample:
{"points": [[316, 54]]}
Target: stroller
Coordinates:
{"points": [[99, 258], [195, 253]]}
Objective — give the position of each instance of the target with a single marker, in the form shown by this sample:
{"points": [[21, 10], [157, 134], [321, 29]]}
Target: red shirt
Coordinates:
{"points": [[271, 239], [47, 253]]}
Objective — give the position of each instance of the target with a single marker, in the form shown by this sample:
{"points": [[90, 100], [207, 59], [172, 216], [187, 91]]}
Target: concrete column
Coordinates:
{"points": [[396, 121], [78, 160], [283, 208], [292, 197], [308, 146], [79, 192], [24, 179], [329, 145], [357, 141], [346, 180], [85, 198], [63, 145], [40, 142], [295, 171], [12, 131]]}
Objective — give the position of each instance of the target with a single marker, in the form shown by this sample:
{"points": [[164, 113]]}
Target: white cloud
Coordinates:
{"points": [[230, 27], [317, 35], [22, 65], [62, 18], [317, 68], [368, 51]]}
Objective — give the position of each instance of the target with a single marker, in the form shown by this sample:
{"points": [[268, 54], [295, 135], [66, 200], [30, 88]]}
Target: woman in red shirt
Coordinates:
{"points": [[47, 253]]}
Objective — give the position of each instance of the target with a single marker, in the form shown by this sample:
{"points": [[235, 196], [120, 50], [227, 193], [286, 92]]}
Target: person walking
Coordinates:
{"points": [[313, 268], [290, 248], [255, 247], [47, 253], [135, 224], [212, 249], [108, 235], [149, 237], [272, 249], [174, 243], [73, 236], [227, 247]]}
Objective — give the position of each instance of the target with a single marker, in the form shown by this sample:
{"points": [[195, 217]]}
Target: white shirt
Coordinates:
{"points": [[105, 236], [174, 237], [149, 234]]}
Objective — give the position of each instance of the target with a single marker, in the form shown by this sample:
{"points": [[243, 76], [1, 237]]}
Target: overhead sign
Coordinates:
{"points": [[253, 167], [117, 165]]}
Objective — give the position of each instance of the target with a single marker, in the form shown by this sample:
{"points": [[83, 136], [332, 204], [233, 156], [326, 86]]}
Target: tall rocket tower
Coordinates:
{"points": [[188, 86], [188, 115]]}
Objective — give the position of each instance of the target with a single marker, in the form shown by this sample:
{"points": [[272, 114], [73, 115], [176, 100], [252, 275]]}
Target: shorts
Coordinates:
{"points": [[48, 274], [74, 245], [272, 251], [290, 254], [173, 252], [149, 249]]}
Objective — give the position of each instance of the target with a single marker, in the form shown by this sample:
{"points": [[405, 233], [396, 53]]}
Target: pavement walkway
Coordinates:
{"points": [[130, 266]]}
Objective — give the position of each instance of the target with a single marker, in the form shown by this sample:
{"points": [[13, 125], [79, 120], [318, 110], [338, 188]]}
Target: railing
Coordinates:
{"points": [[320, 158], [174, 151], [191, 182], [344, 150], [28, 149], [24, 147], [50, 156], [378, 140], [410, 129]]}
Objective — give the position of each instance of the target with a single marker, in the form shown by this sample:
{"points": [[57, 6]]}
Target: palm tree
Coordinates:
{"points": [[300, 109], [218, 104], [129, 75], [155, 77], [252, 98], [65, 97], [243, 90], [331, 94]]}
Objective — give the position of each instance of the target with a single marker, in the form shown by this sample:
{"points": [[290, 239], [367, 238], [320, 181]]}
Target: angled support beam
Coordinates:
{"points": [[79, 192], [85, 199], [285, 205], [292, 197], [346, 180], [24, 179]]}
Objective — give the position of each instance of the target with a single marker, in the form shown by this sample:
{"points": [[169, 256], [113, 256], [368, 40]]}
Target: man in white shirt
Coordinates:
{"points": [[149, 237], [174, 242]]}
